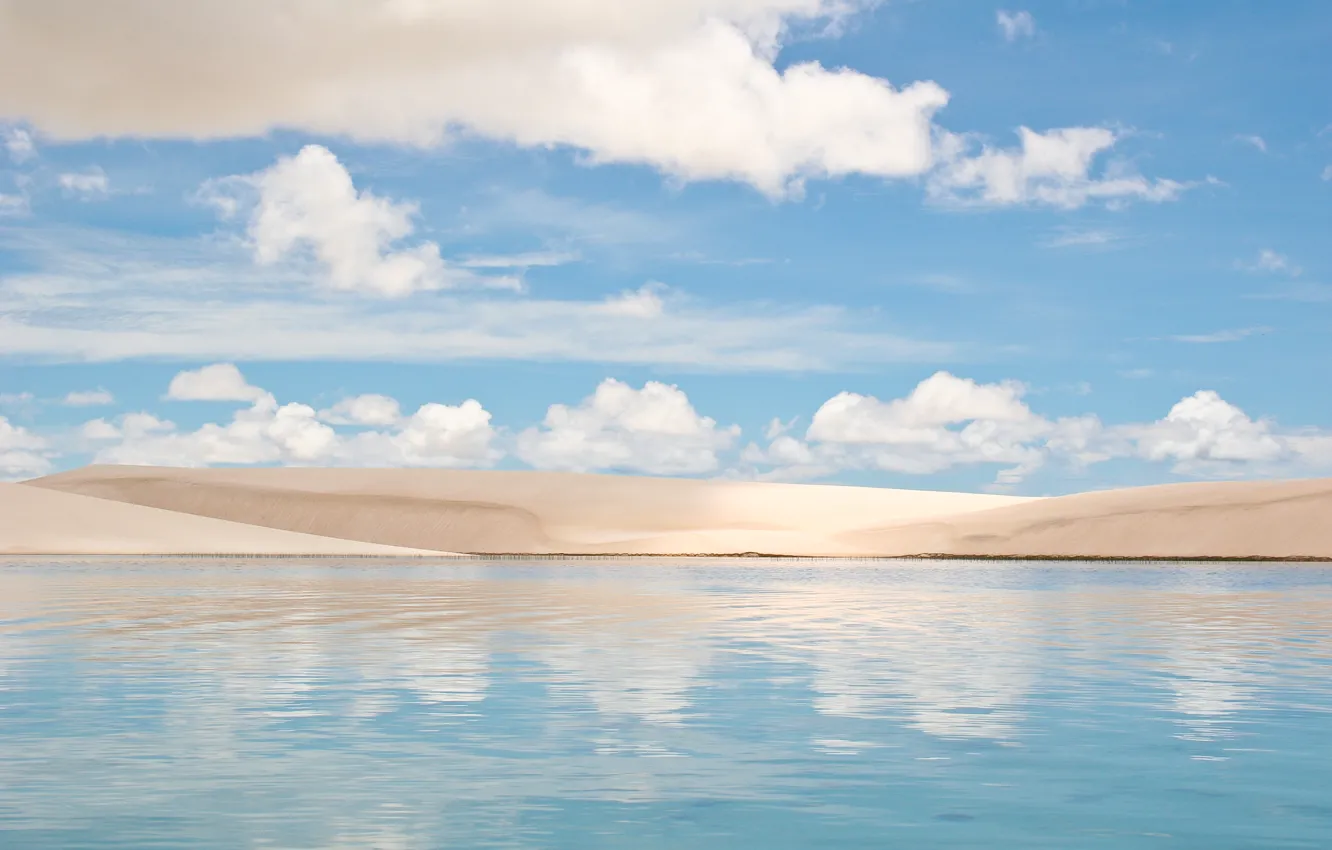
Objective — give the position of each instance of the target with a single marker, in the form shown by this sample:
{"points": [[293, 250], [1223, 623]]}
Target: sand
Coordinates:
{"points": [[36, 521], [560, 513]]}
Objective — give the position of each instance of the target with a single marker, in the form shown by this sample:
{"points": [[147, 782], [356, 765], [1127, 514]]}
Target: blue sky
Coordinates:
{"points": [[768, 221]]}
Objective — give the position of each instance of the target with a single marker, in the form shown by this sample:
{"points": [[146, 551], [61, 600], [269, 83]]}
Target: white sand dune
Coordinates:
{"points": [[550, 513], [1248, 519], [526, 512], [36, 521]]}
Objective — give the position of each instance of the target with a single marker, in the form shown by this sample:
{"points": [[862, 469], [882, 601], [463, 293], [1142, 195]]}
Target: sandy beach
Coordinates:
{"points": [[149, 510]]}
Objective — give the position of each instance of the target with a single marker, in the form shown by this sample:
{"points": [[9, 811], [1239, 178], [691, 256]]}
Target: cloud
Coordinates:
{"points": [[1235, 335], [643, 303], [13, 205], [106, 296], [307, 203], [1327, 173], [948, 422], [17, 398], [1072, 237], [368, 409], [89, 398], [537, 259], [1271, 262], [22, 453], [218, 382], [1015, 25], [689, 87], [19, 144], [267, 432], [1205, 433], [654, 430], [1256, 141], [88, 185], [1052, 169]]}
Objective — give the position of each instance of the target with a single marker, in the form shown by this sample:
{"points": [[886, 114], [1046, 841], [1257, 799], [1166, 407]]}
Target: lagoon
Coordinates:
{"points": [[653, 703]]}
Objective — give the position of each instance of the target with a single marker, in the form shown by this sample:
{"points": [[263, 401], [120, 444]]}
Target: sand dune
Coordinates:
{"points": [[550, 513], [1249, 519], [35, 521], [525, 512]]}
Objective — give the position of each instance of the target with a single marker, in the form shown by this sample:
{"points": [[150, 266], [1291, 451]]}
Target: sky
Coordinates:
{"points": [[1035, 249]]}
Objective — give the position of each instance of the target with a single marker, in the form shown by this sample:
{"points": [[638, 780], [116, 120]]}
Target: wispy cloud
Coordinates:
{"points": [[534, 259], [1074, 237], [88, 185], [1270, 262], [1233, 335], [203, 299], [1015, 25], [1255, 141]]}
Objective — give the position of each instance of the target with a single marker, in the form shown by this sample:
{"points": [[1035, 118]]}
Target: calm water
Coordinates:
{"points": [[717, 704]]}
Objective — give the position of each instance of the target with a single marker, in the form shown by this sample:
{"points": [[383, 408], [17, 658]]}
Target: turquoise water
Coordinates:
{"points": [[652, 704]]}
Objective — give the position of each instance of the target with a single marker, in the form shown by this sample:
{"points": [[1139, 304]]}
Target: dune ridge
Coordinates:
{"points": [[540, 513]]}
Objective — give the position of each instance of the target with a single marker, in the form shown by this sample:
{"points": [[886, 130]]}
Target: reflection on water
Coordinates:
{"points": [[663, 704]]}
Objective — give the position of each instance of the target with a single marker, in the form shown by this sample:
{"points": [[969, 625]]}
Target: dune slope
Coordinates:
{"points": [[36, 521], [1250, 519], [526, 512]]}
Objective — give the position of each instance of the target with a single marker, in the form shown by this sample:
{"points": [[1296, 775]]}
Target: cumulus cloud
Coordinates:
{"points": [[19, 144], [218, 382], [947, 422], [1015, 25], [1054, 168], [89, 398], [689, 87], [646, 302], [1204, 432], [307, 205], [22, 453], [88, 185], [370, 409], [654, 429], [267, 432]]}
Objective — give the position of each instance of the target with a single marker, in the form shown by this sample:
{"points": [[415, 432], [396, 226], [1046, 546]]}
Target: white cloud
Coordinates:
{"points": [[13, 205], [308, 203], [1327, 173], [104, 296], [1072, 237], [1234, 335], [1052, 168], [948, 421], [267, 432], [1256, 141], [19, 144], [654, 430], [536, 259], [89, 184], [643, 303], [1015, 25], [89, 398], [370, 409], [218, 382], [1205, 433], [16, 398], [22, 453], [687, 86], [1270, 261]]}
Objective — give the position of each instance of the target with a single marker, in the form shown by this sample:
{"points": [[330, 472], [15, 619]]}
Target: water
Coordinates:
{"points": [[651, 704]]}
